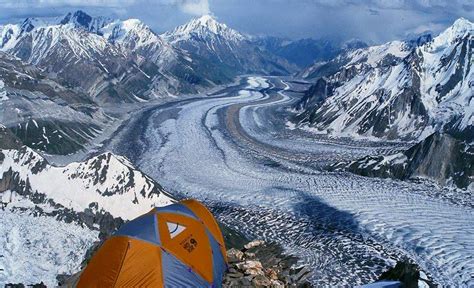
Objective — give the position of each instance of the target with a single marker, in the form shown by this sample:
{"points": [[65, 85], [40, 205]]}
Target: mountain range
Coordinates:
{"points": [[419, 90], [125, 61], [398, 90]]}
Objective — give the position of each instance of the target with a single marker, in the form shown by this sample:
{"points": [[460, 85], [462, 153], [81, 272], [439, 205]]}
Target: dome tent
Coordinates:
{"points": [[179, 245]]}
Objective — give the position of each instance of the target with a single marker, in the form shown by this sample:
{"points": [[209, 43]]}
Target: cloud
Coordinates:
{"points": [[427, 28], [195, 7], [192, 7], [373, 21], [61, 3]]}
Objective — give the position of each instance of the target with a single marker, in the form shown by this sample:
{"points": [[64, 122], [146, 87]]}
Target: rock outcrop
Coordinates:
{"points": [[441, 157], [260, 264]]}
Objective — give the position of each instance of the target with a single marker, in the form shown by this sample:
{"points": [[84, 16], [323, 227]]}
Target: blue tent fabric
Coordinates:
{"points": [[177, 209], [218, 261], [143, 228], [167, 247], [177, 274]]}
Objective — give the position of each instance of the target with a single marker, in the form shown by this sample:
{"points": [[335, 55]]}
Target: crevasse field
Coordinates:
{"points": [[235, 152]]}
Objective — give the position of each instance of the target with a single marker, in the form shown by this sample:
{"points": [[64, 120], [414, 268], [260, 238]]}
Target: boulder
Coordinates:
{"points": [[251, 267], [253, 244], [261, 281], [249, 255], [234, 255], [271, 273]]}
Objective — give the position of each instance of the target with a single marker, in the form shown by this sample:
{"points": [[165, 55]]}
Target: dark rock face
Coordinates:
{"points": [[421, 40], [407, 273], [316, 94], [82, 18], [7, 37], [62, 136], [21, 77], [27, 25], [42, 113], [8, 140], [20, 285], [440, 157], [443, 158]]}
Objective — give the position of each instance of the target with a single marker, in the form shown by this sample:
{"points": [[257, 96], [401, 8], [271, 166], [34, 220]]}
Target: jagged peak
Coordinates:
{"points": [[31, 23], [463, 23], [459, 29], [206, 24], [420, 40], [206, 21], [131, 30], [28, 25], [136, 25], [108, 157], [80, 19]]}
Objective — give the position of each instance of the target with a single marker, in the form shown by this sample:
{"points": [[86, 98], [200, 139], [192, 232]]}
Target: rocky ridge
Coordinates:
{"points": [[260, 264], [441, 157]]}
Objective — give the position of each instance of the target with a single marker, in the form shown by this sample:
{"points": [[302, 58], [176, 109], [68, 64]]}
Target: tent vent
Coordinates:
{"points": [[175, 229]]}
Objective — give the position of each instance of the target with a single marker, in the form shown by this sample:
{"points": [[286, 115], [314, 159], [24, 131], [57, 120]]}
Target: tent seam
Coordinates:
{"points": [[121, 263]]}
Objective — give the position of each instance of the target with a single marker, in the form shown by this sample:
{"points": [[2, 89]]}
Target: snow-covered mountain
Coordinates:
{"points": [[73, 49], [230, 51], [398, 90], [177, 71], [52, 215], [134, 36], [110, 60], [205, 28], [106, 181]]}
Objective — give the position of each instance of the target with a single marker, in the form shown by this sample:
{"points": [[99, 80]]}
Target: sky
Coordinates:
{"points": [[373, 21]]}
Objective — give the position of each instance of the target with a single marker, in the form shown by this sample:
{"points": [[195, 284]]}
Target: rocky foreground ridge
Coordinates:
{"points": [[259, 264]]}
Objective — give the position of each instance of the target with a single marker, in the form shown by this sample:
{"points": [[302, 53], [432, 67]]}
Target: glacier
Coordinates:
{"points": [[233, 152]]}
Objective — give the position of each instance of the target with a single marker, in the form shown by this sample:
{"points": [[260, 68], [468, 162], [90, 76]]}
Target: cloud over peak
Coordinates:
{"points": [[194, 7], [373, 21]]}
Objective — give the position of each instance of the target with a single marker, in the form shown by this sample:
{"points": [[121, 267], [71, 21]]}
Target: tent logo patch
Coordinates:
{"points": [[189, 243]]}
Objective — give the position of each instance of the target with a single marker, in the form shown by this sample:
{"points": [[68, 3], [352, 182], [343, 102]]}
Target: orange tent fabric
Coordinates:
{"points": [[179, 245]]}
